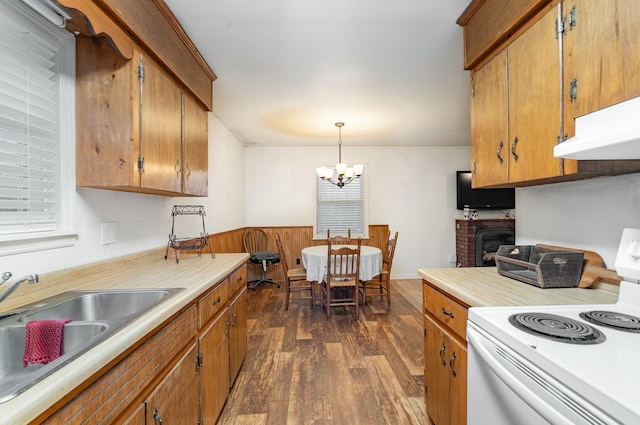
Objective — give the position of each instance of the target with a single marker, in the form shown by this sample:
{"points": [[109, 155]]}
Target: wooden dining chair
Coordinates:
{"points": [[380, 285], [340, 285], [295, 280], [338, 239]]}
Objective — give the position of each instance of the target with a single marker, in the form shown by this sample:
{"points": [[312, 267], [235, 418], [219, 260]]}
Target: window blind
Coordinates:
{"points": [[29, 128], [340, 209]]}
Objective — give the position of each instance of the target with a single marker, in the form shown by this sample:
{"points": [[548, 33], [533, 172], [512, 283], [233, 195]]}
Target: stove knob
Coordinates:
{"points": [[634, 249]]}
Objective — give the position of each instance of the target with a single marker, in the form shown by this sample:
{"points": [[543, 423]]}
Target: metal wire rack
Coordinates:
{"points": [[192, 243]]}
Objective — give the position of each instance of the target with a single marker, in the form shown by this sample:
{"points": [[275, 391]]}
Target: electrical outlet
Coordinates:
{"points": [[297, 261], [108, 233]]}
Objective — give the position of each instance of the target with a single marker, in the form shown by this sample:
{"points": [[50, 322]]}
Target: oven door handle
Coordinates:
{"points": [[525, 394]]}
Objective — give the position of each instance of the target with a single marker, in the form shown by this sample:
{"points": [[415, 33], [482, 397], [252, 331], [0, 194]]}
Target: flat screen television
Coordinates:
{"points": [[476, 199]]}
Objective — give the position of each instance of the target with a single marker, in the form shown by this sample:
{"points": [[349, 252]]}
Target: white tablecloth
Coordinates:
{"points": [[314, 259]]}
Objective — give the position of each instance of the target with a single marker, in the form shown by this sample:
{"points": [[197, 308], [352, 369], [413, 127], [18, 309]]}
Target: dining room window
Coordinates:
{"points": [[37, 135], [341, 208]]}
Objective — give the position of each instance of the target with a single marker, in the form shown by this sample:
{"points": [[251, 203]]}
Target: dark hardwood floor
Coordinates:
{"points": [[304, 369]]}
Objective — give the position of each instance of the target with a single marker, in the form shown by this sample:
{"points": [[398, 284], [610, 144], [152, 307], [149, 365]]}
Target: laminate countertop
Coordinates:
{"points": [[484, 287], [145, 270]]}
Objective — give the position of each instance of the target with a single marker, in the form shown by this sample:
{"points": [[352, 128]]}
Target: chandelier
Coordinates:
{"points": [[345, 174]]}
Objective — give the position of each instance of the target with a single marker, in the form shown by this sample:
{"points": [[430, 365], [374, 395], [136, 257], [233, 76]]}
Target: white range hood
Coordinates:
{"points": [[610, 133]]}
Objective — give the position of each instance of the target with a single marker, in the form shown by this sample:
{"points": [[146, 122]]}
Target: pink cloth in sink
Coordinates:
{"points": [[44, 341]]}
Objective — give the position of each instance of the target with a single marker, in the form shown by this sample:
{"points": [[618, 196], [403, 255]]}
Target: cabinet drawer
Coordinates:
{"points": [[446, 310], [211, 303], [238, 280]]}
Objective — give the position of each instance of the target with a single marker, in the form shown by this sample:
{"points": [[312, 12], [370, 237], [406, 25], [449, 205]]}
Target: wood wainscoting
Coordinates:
{"points": [[294, 239]]}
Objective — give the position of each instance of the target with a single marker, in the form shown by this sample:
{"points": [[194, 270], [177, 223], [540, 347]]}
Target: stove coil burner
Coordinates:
{"points": [[558, 328], [620, 321]]}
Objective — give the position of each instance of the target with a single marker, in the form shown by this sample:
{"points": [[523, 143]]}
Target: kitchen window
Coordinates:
{"points": [[341, 209], [37, 130]]}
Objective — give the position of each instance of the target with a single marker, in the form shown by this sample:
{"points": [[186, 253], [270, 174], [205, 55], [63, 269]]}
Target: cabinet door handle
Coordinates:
{"points": [[447, 313], [572, 18], [499, 152], [442, 350], [216, 301], [188, 169], [573, 90], [177, 167], [451, 360], [513, 149], [156, 416]]}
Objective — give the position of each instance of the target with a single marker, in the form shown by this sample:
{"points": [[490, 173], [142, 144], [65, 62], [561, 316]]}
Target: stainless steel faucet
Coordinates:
{"points": [[5, 277], [32, 278]]}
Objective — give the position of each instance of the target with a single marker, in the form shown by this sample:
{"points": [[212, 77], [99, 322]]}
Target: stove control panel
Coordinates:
{"points": [[628, 258]]}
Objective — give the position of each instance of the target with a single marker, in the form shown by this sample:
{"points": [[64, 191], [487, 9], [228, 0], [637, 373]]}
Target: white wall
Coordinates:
{"points": [[144, 221], [226, 203], [587, 214], [412, 189]]}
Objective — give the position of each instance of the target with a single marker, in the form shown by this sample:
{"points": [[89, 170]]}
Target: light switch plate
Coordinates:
{"points": [[108, 233]]}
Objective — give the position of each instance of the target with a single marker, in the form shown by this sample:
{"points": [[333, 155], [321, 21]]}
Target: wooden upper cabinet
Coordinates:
{"points": [[489, 23], [161, 136], [107, 116], [600, 55], [490, 123], [551, 80], [151, 25], [195, 176], [131, 129], [534, 102], [142, 98], [515, 110], [601, 68], [155, 28]]}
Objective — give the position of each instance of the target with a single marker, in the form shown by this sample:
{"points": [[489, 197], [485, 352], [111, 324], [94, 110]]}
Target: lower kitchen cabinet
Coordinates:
{"points": [[138, 416], [445, 376], [110, 397], [175, 399], [223, 341], [445, 358], [237, 334], [181, 374], [214, 374]]}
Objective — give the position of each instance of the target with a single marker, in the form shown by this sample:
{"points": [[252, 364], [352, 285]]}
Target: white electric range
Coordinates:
{"points": [[584, 369]]}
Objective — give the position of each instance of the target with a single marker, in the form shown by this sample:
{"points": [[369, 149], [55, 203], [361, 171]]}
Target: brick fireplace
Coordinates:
{"points": [[477, 240]]}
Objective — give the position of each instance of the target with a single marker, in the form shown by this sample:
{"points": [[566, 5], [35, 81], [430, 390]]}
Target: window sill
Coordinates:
{"points": [[20, 244]]}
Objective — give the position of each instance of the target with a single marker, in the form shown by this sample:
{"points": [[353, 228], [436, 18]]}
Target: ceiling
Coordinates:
{"points": [[391, 70]]}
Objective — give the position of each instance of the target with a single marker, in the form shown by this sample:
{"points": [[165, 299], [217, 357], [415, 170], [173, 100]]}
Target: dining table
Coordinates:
{"points": [[314, 260]]}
